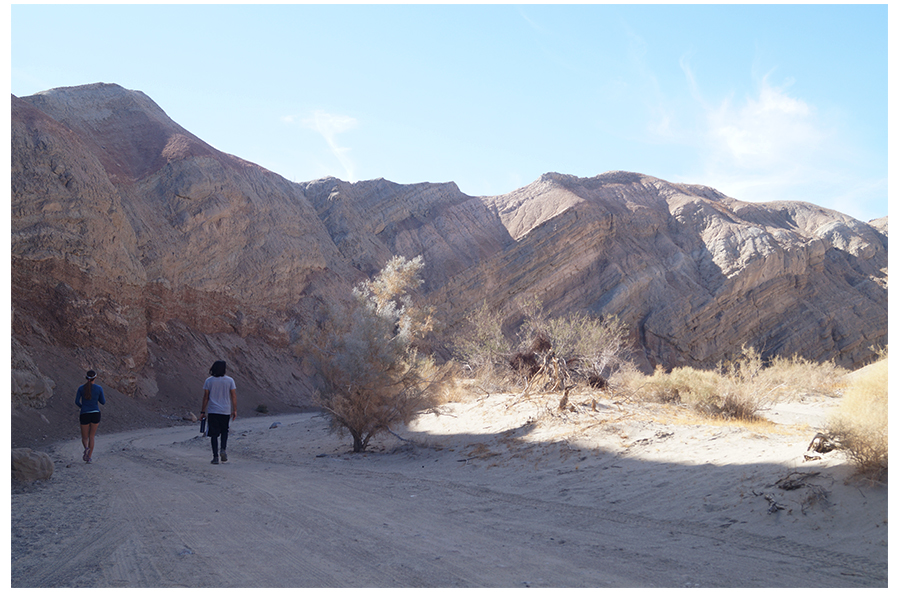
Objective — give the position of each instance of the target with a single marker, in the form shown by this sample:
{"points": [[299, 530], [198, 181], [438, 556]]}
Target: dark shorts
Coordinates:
{"points": [[88, 418], [217, 424]]}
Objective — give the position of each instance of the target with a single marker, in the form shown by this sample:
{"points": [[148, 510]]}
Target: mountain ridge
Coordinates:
{"points": [[141, 251]]}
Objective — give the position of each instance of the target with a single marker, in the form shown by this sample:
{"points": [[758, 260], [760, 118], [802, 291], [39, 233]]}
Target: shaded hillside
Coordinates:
{"points": [[141, 251]]}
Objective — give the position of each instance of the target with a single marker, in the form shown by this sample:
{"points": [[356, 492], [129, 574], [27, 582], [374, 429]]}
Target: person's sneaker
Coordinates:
{"points": [[215, 460], [224, 456]]}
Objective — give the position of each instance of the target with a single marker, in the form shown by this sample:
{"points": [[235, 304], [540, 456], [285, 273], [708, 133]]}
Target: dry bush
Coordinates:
{"points": [[482, 350], [861, 423], [479, 344], [793, 378], [593, 346], [370, 374], [714, 393], [568, 351], [737, 388]]}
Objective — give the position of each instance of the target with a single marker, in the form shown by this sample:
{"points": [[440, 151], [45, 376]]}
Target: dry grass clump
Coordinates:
{"points": [[792, 378], [736, 389], [861, 423], [709, 392]]}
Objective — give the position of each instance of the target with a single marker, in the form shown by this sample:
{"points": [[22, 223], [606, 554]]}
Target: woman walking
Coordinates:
{"points": [[220, 396], [89, 397]]}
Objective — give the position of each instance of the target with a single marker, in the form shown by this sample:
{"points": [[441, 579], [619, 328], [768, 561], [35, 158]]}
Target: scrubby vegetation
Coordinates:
{"points": [[548, 353], [861, 423], [736, 389], [482, 349], [370, 374]]}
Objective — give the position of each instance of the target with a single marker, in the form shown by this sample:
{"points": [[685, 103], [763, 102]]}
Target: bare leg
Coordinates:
{"points": [[85, 440], [92, 432]]}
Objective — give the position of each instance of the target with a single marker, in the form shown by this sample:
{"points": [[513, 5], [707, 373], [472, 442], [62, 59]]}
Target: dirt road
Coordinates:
{"points": [[296, 510]]}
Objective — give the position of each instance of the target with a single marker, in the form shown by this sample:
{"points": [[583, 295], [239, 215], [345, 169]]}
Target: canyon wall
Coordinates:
{"points": [[139, 250]]}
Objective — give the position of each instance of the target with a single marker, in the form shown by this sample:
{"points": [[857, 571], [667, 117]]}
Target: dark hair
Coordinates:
{"points": [[91, 374], [218, 369]]}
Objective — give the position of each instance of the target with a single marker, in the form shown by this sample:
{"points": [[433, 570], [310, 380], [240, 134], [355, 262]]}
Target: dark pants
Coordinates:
{"points": [[218, 425]]}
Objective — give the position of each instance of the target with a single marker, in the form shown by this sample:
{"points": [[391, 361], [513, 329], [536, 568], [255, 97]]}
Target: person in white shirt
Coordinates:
{"points": [[219, 406]]}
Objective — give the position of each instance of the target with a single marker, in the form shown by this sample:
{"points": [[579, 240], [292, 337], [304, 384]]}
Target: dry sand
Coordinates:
{"points": [[489, 493]]}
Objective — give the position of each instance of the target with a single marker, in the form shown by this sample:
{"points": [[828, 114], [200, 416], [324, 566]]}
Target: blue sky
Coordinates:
{"points": [[763, 102]]}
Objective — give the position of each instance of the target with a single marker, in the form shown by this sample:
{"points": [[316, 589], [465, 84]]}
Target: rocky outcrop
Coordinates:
{"points": [[29, 386], [143, 252], [29, 466]]}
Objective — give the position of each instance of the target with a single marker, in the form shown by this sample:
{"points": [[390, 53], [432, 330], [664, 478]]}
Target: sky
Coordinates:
{"points": [[762, 102]]}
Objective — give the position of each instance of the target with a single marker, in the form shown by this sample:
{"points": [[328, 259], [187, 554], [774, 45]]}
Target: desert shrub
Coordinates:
{"points": [[568, 350], [737, 388], [371, 375], [861, 423], [714, 393], [479, 344], [482, 351], [792, 378], [593, 346]]}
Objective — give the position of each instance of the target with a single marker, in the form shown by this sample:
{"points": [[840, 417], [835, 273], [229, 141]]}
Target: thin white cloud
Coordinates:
{"points": [[771, 145], [329, 126], [770, 130]]}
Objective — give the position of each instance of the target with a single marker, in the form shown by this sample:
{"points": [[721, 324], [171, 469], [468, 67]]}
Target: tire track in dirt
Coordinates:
{"points": [[827, 568], [157, 514], [315, 538]]}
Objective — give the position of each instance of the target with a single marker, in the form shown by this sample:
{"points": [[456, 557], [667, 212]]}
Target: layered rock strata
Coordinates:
{"points": [[141, 251]]}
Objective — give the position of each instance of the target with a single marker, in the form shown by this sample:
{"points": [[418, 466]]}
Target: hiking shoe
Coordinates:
{"points": [[215, 460], [85, 456], [224, 456]]}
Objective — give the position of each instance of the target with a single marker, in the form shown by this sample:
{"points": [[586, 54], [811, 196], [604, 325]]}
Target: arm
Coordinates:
{"points": [[205, 402], [233, 404], [102, 395], [78, 397]]}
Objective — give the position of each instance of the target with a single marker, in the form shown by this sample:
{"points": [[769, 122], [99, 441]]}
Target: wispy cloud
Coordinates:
{"points": [[769, 130], [772, 145], [330, 126]]}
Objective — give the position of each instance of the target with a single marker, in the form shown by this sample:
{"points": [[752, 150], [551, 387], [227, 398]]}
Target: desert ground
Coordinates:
{"points": [[492, 491]]}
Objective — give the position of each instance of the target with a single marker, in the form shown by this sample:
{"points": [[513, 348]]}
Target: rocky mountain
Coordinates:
{"points": [[141, 251]]}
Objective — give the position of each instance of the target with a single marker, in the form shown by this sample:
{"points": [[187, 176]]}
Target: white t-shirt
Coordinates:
{"points": [[219, 394]]}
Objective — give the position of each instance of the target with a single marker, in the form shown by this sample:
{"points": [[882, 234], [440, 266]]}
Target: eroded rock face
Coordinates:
{"points": [[124, 224], [29, 466], [142, 252]]}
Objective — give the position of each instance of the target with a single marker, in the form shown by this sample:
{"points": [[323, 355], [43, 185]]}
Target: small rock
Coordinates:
{"points": [[274, 425]]}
